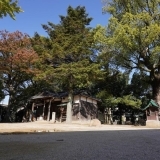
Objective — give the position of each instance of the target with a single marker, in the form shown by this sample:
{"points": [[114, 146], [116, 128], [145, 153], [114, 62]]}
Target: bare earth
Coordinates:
{"points": [[49, 141], [45, 126]]}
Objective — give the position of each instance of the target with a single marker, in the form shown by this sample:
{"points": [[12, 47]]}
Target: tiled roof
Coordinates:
{"points": [[151, 103], [48, 94]]}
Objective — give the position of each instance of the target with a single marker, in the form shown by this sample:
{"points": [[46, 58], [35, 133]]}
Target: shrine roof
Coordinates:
{"points": [[48, 94], [151, 103]]}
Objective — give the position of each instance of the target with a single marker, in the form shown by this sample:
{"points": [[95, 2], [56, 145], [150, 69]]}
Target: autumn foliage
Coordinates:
{"points": [[16, 52], [17, 61]]}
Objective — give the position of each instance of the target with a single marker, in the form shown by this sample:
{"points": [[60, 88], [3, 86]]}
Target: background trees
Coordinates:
{"points": [[132, 36], [75, 56], [117, 91], [9, 7], [139, 85]]}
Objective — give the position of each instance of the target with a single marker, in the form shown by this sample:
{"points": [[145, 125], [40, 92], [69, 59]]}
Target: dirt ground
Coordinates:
{"points": [[45, 126]]}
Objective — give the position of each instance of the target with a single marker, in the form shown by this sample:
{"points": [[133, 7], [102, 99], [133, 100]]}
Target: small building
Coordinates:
{"points": [[53, 106], [152, 113]]}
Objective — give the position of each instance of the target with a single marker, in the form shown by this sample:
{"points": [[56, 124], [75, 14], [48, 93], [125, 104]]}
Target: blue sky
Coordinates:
{"points": [[37, 12]]}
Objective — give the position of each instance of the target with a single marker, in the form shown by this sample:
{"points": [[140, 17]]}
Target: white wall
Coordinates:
{"points": [[83, 98], [77, 98]]}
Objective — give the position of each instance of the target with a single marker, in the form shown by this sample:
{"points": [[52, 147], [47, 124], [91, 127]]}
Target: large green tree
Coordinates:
{"points": [[116, 90], [9, 7], [68, 55], [133, 37], [139, 85]]}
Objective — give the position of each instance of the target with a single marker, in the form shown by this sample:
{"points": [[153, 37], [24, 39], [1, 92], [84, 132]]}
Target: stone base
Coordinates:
{"points": [[95, 122], [152, 123], [40, 118]]}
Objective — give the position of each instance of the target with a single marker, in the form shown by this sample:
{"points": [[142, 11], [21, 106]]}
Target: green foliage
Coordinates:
{"points": [[9, 7], [115, 90], [129, 100], [139, 86], [30, 89], [68, 55], [133, 37], [133, 33]]}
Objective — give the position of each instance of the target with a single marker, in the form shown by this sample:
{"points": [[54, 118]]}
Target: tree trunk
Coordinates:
{"points": [[70, 99], [69, 108], [156, 90], [8, 114], [11, 101]]}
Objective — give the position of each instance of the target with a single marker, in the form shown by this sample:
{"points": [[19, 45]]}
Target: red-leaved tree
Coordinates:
{"points": [[17, 61]]}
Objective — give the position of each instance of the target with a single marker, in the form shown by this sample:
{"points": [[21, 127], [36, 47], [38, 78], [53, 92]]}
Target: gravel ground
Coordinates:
{"points": [[84, 145]]}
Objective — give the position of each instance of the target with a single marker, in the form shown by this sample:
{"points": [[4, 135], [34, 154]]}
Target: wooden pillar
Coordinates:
{"points": [[33, 107], [49, 108], [69, 108], [146, 115], [31, 117], [43, 109], [0, 114], [80, 108], [61, 114], [106, 115]]}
